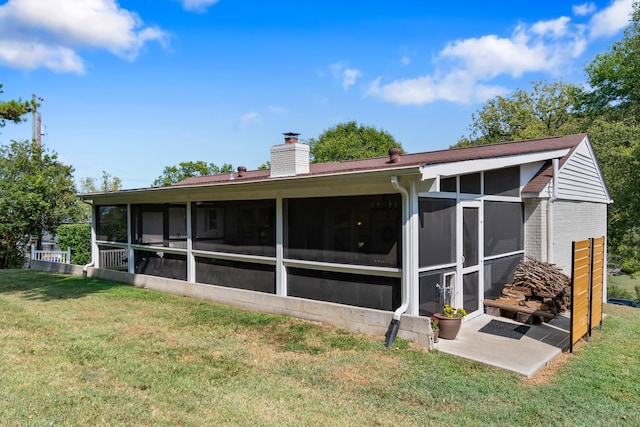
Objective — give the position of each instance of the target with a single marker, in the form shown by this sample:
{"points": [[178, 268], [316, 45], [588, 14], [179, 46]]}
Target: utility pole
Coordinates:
{"points": [[36, 121]]}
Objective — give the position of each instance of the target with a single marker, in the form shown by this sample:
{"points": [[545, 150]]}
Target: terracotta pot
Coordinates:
{"points": [[449, 326]]}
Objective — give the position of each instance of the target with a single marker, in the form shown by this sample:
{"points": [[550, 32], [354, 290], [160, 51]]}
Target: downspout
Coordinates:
{"points": [[552, 199], [394, 326], [93, 239]]}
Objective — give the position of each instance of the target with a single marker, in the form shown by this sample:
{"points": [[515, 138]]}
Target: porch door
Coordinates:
{"points": [[469, 289]]}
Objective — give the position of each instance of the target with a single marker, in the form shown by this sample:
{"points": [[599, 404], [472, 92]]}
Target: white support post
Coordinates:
{"points": [[281, 271]]}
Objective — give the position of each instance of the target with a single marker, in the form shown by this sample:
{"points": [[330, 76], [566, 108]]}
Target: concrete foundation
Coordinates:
{"points": [[355, 319]]}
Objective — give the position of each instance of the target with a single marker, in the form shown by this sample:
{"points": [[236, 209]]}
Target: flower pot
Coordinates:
{"points": [[449, 326], [436, 334]]}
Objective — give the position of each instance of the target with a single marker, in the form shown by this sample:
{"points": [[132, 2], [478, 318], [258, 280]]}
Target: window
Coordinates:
{"points": [[243, 227], [363, 230], [111, 223], [502, 182], [160, 225], [437, 231], [503, 228], [470, 183]]}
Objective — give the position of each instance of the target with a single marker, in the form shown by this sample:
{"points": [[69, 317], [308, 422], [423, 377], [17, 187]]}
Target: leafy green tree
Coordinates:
{"points": [[546, 110], [108, 183], [184, 170], [90, 185], [14, 110], [614, 76], [37, 193], [347, 141]]}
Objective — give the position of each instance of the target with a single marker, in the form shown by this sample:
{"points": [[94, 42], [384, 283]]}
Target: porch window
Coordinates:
{"points": [[160, 225], [502, 182], [111, 225], [242, 227], [503, 227], [362, 230], [437, 231]]}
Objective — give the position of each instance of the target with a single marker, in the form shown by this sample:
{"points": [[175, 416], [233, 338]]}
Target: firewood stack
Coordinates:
{"points": [[539, 292]]}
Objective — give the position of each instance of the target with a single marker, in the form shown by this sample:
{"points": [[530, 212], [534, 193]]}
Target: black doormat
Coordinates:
{"points": [[505, 329]]}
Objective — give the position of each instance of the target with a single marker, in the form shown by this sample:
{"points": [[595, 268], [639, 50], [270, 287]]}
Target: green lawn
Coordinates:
{"points": [[626, 283], [77, 351]]}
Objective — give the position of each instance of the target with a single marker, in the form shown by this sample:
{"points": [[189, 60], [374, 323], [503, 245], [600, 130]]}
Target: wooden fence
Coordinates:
{"points": [[587, 279]]}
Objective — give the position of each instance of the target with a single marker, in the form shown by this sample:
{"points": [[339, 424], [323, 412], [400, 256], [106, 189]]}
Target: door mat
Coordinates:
{"points": [[505, 329]]}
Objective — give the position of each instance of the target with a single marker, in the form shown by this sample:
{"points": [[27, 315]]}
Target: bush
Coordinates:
{"points": [[17, 258], [614, 291], [630, 266], [78, 238]]}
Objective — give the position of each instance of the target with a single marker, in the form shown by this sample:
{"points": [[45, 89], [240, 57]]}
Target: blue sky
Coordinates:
{"points": [[132, 86]]}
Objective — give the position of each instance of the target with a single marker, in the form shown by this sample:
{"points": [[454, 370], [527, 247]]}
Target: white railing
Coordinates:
{"points": [[63, 257], [113, 258]]}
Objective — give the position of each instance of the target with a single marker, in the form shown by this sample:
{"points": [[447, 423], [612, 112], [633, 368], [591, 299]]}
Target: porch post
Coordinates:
{"points": [[413, 280], [281, 272]]}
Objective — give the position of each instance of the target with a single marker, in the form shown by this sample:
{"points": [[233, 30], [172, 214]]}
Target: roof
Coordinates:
{"points": [[454, 155]]}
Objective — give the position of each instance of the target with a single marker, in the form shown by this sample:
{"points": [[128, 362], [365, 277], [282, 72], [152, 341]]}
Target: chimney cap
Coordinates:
{"points": [[291, 134]]}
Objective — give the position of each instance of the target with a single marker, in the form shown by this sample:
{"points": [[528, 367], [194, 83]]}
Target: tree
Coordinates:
{"points": [[89, 185], [614, 76], [184, 170], [14, 110], [109, 183], [347, 141], [547, 110], [37, 193]]}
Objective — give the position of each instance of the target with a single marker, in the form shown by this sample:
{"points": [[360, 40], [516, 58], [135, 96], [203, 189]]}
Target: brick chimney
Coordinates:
{"points": [[290, 158]]}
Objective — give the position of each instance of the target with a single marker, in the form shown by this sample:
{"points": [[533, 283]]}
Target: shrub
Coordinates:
{"points": [[78, 238], [614, 291], [630, 266]]}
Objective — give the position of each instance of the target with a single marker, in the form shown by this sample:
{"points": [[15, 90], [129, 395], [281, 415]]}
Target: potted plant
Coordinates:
{"points": [[449, 321], [435, 328]]}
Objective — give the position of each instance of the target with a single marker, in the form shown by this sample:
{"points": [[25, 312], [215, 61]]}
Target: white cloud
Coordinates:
{"points": [[347, 76], [277, 110], [405, 60], [197, 5], [57, 28], [350, 75], [583, 9], [465, 68], [30, 56], [555, 27], [248, 118], [612, 19], [456, 87]]}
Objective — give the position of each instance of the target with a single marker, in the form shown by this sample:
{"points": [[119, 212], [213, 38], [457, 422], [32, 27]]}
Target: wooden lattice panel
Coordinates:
{"points": [[597, 281], [581, 280]]}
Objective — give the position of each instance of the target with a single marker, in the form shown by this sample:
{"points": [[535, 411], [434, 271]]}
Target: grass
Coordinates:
{"points": [[626, 284], [78, 351]]}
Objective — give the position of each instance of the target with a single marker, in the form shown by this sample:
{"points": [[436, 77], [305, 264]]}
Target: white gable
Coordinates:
{"points": [[580, 178]]}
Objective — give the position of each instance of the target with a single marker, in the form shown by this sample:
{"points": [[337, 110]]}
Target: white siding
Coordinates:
{"points": [[575, 221], [535, 228], [580, 177]]}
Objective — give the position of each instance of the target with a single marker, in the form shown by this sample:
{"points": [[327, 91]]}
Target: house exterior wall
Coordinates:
{"points": [[535, 228], [574, 221], [580, 178]]}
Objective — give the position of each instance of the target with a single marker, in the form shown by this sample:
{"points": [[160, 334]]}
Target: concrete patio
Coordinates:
{"points": [[526, 351]]}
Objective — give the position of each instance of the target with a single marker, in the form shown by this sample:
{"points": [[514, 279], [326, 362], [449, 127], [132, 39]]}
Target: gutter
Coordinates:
{"points": [[394, 326]]}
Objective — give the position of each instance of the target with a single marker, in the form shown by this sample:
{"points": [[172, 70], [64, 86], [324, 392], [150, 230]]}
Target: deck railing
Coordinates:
{"points": [[63, 257]]}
